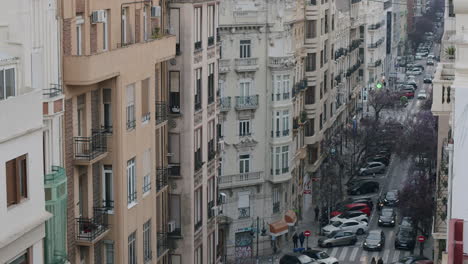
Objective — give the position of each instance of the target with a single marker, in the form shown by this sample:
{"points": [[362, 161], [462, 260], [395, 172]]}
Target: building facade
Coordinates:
{"points": [[115, 130], [25, 73], [192, 140]]}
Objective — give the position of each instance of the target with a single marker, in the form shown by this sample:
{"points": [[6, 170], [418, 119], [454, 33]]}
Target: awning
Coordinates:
{"points": [[290, 218], [278, 228]]}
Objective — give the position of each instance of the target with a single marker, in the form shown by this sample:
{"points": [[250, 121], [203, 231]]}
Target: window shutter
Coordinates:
{"points": [[244, 200], [11, 182], [23, 176], [145, 96], [130, 94], [147, 162]]}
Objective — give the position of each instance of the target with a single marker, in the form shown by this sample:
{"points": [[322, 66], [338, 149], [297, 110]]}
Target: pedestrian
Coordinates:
{"points": [[373, 261], [380, 261], [301, 239], [317, 211], [295, 238]]}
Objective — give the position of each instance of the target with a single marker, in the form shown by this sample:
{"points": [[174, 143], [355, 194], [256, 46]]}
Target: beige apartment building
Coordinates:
{"points": [[115, 125]]}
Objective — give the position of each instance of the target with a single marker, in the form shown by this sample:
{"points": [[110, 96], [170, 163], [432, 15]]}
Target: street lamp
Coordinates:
{"points": [[252, 232]]}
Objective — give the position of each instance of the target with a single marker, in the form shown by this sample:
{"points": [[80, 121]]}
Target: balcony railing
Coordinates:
{"points": [[173, 169], [244, 212], [240, 179], [162, 245], [211, 41], [161, 178], [377, 63], [211, 149], [89, 148], [246, 64], [246, 102], [210, 209], [161, 112], [52, 92], [225, 104], [174, 102], [374, 26], [198, 45], [376, 44], [89, 229]]}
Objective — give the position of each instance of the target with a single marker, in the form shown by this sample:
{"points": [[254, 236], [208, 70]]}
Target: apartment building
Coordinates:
{"points": [[115, 57], [25, 73], [192, 139], [261, 88]]}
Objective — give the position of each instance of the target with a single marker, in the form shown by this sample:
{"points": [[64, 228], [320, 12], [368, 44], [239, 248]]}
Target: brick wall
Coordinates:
{"points": [[70, 182], [137, 25], [97, 185], [66, 37], [80, 6], [93, 39], [95, 109]]}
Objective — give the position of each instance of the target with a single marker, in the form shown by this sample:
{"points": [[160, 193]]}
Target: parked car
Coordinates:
{"points": [[409, 93], [364, 188], [410, 260], [422, 95], [375, 240], [351, 215], [357, 227], [418, 56], [405, 238], [430, 62], [321, 257], [388, 199], [427, 79], [406, 222], [379, 158], [372, 168], [296, 258], [387, 217], [413, 83], [338, 238], [424, 262], [352, 207], [366, 200], [414, 71]]}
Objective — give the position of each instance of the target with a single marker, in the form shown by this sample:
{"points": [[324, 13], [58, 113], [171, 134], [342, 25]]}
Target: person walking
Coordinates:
{"points": [[295, 238], [317, 211], [373, 261], [380, 261], [301, 239]]}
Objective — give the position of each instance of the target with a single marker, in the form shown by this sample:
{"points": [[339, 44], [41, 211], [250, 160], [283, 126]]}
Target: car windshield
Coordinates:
{"points": [[373, 236], [387, 212], [422, 92], [332, 234], [405, 233], [390, 196], [336, 223], [322, 255]]}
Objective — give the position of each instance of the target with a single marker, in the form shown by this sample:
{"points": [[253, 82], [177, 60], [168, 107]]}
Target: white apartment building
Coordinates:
{"points": [[192, 144], [27, 64], [261, 87]]}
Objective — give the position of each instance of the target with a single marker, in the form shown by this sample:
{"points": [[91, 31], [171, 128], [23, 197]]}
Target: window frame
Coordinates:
{"points": [[107, 169], [3, 86], [147, 250], [198, 208], [20, 182], [131, 183], [245, 48], [245, 127], [132, 247]]}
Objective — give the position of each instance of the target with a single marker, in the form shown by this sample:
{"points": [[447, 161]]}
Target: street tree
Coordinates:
{"points": [[380, 100]]}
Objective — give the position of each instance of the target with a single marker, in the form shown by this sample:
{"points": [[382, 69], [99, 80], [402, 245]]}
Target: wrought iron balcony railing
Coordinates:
{"points": [[225, 104], [246, 102], [161, 178], [244, 212], [161, 112], [88, 148], [162, 243], [89, 229]]}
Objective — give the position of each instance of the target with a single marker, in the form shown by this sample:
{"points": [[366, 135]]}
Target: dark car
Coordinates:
{"points": [[375, 240], [405, 239], [296, 258], [427, 79], [410, 259], [364, 188], [389, 199], [379, 158], [406, 222], [387, 217]]}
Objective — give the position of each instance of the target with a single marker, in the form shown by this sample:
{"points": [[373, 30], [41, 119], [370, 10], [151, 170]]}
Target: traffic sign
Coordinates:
{"points": [[307, 233], [307, 191], [421, 238]]}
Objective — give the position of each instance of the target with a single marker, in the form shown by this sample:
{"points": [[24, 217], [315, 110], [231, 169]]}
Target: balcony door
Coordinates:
{"points": [[83, 195], [244, 88], [244, 166], [107, 188]]}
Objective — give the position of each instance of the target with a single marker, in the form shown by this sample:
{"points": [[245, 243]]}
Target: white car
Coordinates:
{"points": [[354, 226], [320, 256], [422, 94], [351, 215], [415, 71]]}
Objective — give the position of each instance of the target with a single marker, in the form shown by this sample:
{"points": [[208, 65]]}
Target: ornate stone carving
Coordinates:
{"points": [[246, 144]]}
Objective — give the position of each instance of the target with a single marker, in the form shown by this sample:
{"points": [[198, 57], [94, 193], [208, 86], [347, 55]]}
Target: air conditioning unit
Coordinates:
{"points": [[155, 11], [171, 226], [221, 145], [98, 16]]}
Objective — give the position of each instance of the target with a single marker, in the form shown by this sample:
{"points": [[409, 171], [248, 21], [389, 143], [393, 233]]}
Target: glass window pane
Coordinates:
{"points": [[10, 82]]}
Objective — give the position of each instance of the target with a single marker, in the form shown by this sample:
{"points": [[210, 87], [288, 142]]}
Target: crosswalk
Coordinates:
{"points": [[356, 254]]}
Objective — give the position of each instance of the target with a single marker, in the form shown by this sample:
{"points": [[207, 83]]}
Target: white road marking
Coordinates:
{"points": [[353, 254], [343, 253], [385, 255], [396, 255], [334, 251]]}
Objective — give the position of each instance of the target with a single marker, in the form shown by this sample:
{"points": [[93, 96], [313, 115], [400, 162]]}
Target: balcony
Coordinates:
{"points": [[211, 41], [161, 178], [375, 26], [211, 211], [162, 243], [225, 104], [244, 212], [281, 62], [88, 150], [246, 64], [161, 112], [224, 66], [241, 179], [443, 93], [376, 44], [90, 69], [246, 102], [374, 64], [91, 230]]}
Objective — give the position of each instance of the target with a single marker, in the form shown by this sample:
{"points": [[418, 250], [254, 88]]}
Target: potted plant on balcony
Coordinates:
{"points": [[156, 33], [450, 52]]}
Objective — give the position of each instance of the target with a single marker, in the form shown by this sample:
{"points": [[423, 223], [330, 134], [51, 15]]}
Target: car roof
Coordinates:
{"points": [[375, 231], [354, 212], [356, 204]]}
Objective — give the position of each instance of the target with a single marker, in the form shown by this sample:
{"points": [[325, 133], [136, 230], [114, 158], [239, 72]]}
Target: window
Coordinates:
{"points": [[311, 28], [310, 128], [198, 149], [245, 48], [310, 95], [322, 26], [211, 140], [311, 62], [285, 159], [244, 89], [325, 53], [130, 106], [131, 182], [7, 83], [109, 251], [244, 163], [199, 255], [244, 128], [285, 122], [79, 34], [211, 248], [243, 204], [210, 83], [211, 24], [145, 100], [105, 32], [198, 89], [198, 208], [132, 254], [174, 212], [321, 58], [107, 104], [281, 160], [333, 23], [324, 111], [326, 21], [286, 87], [280, 126], [107, 187], [198, 28], [81, 99], [145, 23], [211, 190], [321, 121], [321, 90], [24, 258], [174, 92], [146, 171], [276, 200], [17, 180], [331, 109], [325, 82], [147, 253], [277, 87], [124, 26]]}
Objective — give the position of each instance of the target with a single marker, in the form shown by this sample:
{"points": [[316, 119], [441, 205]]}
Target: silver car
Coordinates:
{"points": [[338, 238], [372, 168]]}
